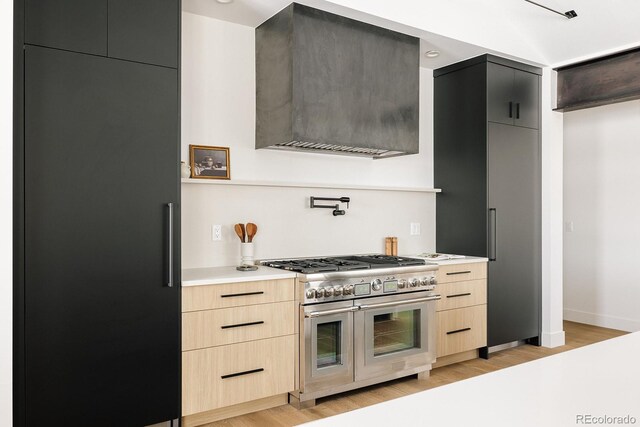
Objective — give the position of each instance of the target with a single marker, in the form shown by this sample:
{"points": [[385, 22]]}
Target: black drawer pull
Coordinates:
{"points": [[459, 295], [242, 294], [510, 110], [458, 272], [259, 322], [237, 374], [458, 330]]}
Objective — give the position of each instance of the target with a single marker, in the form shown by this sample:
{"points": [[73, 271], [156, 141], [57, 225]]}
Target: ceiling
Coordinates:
{"points": [[464, 28]]}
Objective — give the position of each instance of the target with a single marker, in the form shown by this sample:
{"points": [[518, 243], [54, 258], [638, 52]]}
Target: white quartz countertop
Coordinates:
{"points": [[460, 260], [218, 275], [598, 380]]}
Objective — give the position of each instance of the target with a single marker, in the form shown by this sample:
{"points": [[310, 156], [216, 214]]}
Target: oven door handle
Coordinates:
{"points": [[394, 303], [313, 314]]}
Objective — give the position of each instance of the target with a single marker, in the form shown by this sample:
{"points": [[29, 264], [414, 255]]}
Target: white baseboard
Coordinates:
{"points": [[605, 321]]}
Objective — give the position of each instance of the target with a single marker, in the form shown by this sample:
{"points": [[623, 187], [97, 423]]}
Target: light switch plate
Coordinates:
{"points": [[415, 229], [568, 226]]}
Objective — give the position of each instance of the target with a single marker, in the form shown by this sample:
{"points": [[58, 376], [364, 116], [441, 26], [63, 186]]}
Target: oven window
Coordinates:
{"points": [[329, 337], [393, 332]]}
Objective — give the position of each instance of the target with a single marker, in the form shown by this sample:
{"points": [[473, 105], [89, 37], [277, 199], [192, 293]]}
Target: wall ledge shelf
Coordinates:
{"points": [[308, 185]]}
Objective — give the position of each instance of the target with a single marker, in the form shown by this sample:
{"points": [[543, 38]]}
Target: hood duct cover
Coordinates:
{"points": [[326, 83]]}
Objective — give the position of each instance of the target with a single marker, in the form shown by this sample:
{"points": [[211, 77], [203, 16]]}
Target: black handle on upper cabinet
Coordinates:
{"points": [[518, 110], [510, 109], [493, 222]]}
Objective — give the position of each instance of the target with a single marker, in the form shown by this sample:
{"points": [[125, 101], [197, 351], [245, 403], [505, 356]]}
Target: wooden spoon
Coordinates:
{"points": [[239, 231], [244, 234], [252, 229]]}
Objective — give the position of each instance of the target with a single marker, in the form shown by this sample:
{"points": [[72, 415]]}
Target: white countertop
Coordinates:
{"points": [[461, 260], [218, 275], [601, 379]]}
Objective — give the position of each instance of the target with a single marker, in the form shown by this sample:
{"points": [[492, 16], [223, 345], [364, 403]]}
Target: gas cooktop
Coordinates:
{"points": [[342, 263]]}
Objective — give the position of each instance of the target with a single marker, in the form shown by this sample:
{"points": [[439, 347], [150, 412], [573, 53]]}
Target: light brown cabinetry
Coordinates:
{"points": [[461, 311], [238, 348]]}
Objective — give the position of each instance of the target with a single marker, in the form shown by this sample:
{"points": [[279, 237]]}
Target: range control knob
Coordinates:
{"points": [[376, 284], [320, 293], [402, 284], [311, 293], [337, 291], [347, 290], [328, 292], [432, 280], [414, 283], [424, 281]]}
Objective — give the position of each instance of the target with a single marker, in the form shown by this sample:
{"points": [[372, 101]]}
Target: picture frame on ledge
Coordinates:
{"points": [[209, 162]]}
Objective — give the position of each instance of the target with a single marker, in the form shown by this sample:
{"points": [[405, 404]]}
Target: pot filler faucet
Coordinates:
{"points": [[336, 208]]}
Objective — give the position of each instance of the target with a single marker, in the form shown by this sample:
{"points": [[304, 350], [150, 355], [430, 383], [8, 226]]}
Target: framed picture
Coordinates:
{"points": [[209, 162]]}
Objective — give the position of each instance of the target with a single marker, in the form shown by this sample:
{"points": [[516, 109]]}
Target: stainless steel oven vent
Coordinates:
{"points": [[375, 153]]}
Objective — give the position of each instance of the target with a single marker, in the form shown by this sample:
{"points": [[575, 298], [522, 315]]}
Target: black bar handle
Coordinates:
{"points": [[518, 110], [493, 222], [237, 374], [242, 294], [510, 109], [459, 295], [458, 272], [260, 322], [458, 331]]}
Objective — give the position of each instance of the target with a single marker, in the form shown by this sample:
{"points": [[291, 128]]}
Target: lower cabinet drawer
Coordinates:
{"points": [[462, 329], [461, 294], [227, 375], [224, 326], [461, 272]]}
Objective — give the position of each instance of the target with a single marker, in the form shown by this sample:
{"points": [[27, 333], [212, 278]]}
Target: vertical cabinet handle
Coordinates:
{"points": [[493, 218], [518, 110], [170, 246], [510, 109]]}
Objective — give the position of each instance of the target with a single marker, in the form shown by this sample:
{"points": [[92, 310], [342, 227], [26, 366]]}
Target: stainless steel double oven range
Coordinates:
{"points": [[364, 319]]}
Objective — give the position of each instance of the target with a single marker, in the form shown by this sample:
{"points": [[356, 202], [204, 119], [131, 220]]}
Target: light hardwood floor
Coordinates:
{"points": [[577, 335]]}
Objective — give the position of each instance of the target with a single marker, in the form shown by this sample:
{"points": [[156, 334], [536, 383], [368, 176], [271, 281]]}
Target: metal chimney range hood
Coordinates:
{"points": [[330, 84]]}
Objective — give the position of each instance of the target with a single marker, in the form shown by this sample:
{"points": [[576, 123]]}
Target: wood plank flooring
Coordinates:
{"points": [[577, 335]]}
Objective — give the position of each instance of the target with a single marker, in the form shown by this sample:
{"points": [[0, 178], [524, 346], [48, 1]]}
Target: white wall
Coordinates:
{"points": [[601, 177], [6, 227], [218, 108]]}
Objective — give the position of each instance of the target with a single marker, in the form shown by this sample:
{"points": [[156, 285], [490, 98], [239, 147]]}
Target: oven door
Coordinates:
{"points": [[328, 346], [395, 334]]}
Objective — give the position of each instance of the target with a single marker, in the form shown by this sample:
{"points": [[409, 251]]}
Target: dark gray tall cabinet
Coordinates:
{"points": [[97, 203], [487, 161]]}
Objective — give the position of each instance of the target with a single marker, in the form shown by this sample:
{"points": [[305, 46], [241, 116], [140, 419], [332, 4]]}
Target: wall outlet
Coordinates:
{"points": [[216, 233], [415, 229]]}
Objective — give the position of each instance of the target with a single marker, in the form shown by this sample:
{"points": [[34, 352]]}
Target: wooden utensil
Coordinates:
{"points": [[244, 234], [240, 231], [252, 229]]}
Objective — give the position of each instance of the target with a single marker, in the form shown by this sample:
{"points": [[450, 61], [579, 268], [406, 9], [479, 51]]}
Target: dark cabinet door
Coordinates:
{"points": [[526, 95], [102, 328], [145, 31], [500, 101], [460, 165], [514, 227], [76, 25]]}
